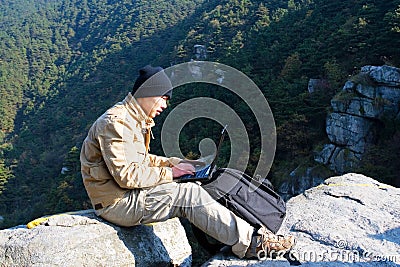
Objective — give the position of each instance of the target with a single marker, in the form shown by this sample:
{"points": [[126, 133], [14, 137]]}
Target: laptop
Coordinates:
{"points": [[205, 172]]}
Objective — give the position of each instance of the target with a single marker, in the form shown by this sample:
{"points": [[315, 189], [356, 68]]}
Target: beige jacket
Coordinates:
{"points": [[114, 156]]}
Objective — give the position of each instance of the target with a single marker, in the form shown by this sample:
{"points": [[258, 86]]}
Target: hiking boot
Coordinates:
{"points": [[265, 244]]}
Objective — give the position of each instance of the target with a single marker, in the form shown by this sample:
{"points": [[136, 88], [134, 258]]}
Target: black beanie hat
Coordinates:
{"points": [[158, 85]]}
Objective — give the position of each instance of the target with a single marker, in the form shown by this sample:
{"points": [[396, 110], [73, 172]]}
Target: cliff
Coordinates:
{"points": [[368, 103], [357, 113], [350, 220]]}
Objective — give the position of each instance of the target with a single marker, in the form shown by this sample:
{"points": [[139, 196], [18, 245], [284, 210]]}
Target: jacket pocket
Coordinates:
{"points": [[100, 172]]}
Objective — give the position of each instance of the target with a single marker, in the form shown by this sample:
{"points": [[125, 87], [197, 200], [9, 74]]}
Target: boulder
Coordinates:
{"points": [[366, 103], [324, 156], [358, 106], [349, 86], [383, 74], [351, 131], [83, 239], [337, 158], [389, 99], [317, 85], [365, 90], [349, 220], [301, 179], [343, 159]]}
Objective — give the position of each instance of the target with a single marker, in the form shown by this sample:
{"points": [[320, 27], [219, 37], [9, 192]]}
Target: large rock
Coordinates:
{"points": [[339, 159], [302, 178], [358, 106], [383, 74], [350, 220], [317, 85], [86, 240], [359, 111], [350, 131], [368, 102]]}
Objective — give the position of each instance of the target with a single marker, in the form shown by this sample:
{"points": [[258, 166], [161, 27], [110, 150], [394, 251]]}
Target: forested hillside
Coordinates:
{"points": [[64, 62]]}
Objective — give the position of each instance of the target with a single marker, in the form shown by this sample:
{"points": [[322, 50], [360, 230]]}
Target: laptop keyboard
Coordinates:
{"points": [[203, 173]]}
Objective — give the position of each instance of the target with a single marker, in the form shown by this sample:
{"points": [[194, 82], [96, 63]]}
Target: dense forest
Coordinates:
{"points": [[64, 62]]}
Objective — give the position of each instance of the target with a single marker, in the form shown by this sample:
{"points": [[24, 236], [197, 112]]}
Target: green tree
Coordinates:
{"points": [[291, 69], [5, 175], [334, 73], [68, 193], [263, 17]]}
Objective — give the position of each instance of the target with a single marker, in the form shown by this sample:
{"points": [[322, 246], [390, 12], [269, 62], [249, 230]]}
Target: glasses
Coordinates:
{"points": [[166, 98]]}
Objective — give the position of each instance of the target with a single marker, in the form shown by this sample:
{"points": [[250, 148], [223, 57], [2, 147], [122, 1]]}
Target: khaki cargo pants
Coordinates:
{"points": [[188, 200]]}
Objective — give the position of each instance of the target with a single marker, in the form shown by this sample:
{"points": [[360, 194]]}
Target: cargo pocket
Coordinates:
{"points": [[99, 172], [158, 202]]}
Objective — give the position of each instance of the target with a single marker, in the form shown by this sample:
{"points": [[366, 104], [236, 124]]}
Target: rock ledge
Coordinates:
{"points": [[86, 240], [350, 220]]}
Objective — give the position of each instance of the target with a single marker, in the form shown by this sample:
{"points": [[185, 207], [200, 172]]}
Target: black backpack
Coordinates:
{"points": [[254, 201]]}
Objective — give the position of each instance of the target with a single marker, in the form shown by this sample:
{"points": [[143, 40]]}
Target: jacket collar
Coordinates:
{"points": [[137, 112]]}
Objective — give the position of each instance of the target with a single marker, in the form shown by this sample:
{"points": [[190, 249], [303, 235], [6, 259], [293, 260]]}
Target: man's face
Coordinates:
{"points": [[153, 105]]}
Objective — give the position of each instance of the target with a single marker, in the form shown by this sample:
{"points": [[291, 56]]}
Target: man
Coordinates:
{"points": [[129, 186]]}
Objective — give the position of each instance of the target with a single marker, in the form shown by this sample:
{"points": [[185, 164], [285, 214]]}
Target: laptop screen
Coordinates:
{"points": [[205, 173]]}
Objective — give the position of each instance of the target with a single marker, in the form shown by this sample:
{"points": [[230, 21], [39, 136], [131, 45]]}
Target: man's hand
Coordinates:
{"points": [[182, 169]]}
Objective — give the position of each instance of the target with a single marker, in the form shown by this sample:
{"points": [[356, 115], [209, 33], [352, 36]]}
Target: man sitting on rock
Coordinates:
{"points": [[129, 186]]}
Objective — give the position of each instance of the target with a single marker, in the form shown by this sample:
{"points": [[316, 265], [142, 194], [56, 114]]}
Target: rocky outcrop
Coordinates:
{"points": [[366, 102], [357, 114], [317, 85], [86, 240], [302, 178], [349, 220]]}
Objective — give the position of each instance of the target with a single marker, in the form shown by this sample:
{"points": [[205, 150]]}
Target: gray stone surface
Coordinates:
{"points": [[367, 103], [383, 74], [349, 86], [358, 112], [389, 99], [343, 159], [358, 106], [86, 240], [367, 91], [302, 178], [351, 131], [316, 85], [324, 156], [350, 220], [338, 159]]}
